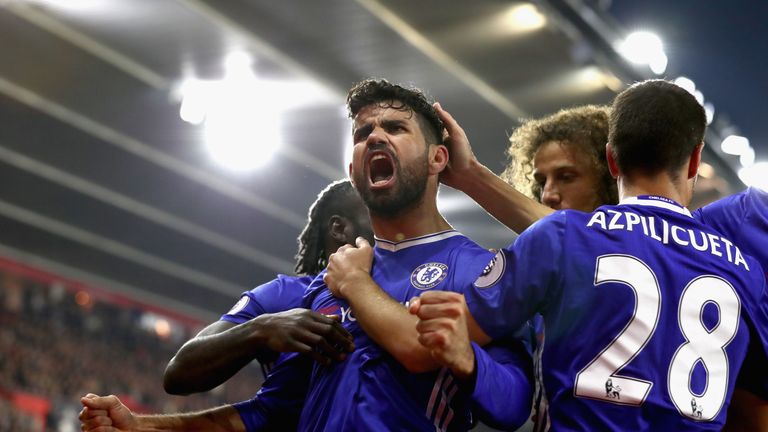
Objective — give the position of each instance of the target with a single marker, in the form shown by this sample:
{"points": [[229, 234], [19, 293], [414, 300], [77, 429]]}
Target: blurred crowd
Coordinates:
{"points": [[56, 348]]}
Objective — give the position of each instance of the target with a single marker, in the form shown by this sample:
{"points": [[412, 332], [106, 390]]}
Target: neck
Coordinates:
{"points": [[420, 220], [660, 185]]}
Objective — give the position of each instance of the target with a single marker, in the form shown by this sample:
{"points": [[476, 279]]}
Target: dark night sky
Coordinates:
{"points": [[722, 45]]}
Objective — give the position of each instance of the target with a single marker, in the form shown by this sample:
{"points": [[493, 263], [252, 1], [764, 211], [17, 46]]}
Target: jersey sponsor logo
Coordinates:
{"points": [[428, 275], [240, 305], [492, 272]]}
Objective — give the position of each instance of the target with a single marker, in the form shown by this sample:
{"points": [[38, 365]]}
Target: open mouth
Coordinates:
{"points": [[381, 170]]}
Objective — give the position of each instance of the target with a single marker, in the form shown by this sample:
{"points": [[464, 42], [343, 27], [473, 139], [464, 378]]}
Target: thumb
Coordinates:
{"points": [[414, 305], [100, 402], [361, 242]]}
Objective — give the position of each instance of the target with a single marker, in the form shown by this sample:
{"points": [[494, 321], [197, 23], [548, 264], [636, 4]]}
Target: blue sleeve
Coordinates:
{"points": [[503, 392], [252, 415], [277, 295], [518, 281], [278, 403]]}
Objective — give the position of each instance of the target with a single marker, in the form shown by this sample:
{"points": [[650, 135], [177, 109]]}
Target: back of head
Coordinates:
{"points": [[335, 199], [584, 127], [654, 127], [383, 93]]}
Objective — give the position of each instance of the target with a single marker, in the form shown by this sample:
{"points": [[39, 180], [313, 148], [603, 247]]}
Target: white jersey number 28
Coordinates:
{"points": [[600, 379]]}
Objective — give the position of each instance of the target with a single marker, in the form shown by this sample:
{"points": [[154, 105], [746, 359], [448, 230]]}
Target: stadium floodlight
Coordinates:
{"points": [[709, 110], [748, 157], [525, 17], [754, 175], [735, 145], [241, 113], [646, 48], [686, 83]]}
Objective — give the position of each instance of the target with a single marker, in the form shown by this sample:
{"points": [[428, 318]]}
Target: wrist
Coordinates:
{"points": [[473, 176], [465, 365], [354, 282]]}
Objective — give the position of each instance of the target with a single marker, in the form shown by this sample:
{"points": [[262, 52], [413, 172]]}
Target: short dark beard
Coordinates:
{"points": [[409, 192]]}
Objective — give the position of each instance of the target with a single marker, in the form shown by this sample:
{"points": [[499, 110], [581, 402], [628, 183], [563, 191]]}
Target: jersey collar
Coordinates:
{"points": [[656, 201], [429, 238]]}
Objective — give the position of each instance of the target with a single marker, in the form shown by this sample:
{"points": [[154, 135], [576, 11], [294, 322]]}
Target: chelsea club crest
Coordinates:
{"points": [[428, 275]]}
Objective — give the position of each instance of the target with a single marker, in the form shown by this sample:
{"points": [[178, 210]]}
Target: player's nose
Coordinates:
{"points": [[378, 136], [550, 197]]}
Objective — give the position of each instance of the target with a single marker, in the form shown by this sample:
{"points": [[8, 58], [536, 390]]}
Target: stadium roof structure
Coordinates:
{"points": [[102, 181]]}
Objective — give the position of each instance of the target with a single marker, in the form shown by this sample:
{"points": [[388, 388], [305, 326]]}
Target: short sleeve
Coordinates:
{"points": [[277, 295], [517, 282]]}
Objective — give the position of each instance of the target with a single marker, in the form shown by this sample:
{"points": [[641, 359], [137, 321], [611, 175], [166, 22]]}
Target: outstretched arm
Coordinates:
{"points": [[467, 174], [223, 348], [108, 414]]}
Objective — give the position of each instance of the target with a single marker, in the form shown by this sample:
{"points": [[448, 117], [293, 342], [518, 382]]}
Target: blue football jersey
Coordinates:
{"points": [[742, 218], [648, 315], [370, 389], [278, 402]]}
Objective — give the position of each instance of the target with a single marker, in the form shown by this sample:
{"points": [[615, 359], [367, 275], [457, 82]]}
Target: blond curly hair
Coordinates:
{"points": [[584, 126]]}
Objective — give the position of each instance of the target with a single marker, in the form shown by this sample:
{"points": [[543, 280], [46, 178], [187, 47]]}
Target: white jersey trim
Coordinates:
{"points": [[656, 203], [429, 238]]}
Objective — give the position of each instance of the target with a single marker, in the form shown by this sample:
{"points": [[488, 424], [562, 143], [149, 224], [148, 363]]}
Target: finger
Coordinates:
{"points": [[95, 422], [432, 340], [431, 311], [441, 324], [334, 321], [100, 402], [451, 125], [327, 349], [361, 242], [436, 297], [311, 353], [87, 413], [330, 338], [414, 305]]}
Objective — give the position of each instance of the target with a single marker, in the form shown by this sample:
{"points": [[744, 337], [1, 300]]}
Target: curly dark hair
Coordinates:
{"points": [[584, 126], [334, 199], [383, 93], [655, 126]]}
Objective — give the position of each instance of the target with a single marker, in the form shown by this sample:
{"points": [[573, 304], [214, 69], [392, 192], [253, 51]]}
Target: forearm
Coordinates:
{"points": [[206, 361], [389, 324], [220, 419], [501, 200], [502, 372]]}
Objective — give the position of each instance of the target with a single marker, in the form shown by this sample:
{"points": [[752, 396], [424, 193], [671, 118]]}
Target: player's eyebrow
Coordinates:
{"points": [[362, 132], [392, 123]]}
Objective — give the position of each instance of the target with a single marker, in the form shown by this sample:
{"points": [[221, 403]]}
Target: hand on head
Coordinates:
{"points": [[461, 157]]}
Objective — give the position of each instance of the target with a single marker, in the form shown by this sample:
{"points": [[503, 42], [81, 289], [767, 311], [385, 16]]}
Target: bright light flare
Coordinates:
{"points": [[709, 111], [241, 113], [735, 145], [755, 175], [524, 17], [646, 48], [747, 158], [686, 83]]}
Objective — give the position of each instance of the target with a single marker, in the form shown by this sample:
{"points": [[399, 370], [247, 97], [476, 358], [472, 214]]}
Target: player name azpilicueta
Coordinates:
{"points": [[661, 230]]}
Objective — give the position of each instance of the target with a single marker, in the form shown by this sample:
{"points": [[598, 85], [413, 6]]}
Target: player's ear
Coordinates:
{"points": [[613, 167], [438, 158], [337, 227], [695, 161]]}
